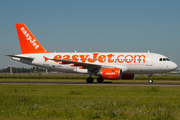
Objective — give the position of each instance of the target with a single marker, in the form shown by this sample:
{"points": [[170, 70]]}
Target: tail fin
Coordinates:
{"points": [[27, 41]]}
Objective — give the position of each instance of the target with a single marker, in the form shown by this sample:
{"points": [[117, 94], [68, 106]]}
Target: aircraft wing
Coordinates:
{"points": [[90, 66], [81, 64]]}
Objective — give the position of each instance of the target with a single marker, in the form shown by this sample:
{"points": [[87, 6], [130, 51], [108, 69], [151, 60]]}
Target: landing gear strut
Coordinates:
{"points": [[150, 79], [100, 79], [90, 79]]}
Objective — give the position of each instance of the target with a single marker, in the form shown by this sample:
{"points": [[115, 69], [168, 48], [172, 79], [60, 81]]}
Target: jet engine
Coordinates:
{"points": [[111, 73]]}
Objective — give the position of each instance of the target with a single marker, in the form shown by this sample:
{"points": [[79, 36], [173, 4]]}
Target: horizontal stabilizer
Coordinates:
{"points": [[20, 57]]}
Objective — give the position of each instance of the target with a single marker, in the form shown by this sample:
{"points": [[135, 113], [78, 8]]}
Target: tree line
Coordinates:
{"points": [[23, 70]]}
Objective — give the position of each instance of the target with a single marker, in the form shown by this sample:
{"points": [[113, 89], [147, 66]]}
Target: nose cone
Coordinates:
{"points": [[173, 66]]}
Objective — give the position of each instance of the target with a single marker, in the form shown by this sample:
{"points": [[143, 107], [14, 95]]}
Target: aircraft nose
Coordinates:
{"points": [[173, 66]]}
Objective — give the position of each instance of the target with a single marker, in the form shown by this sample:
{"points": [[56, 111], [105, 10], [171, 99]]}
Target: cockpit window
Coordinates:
{"points": [[167, 59], [164, 59]]}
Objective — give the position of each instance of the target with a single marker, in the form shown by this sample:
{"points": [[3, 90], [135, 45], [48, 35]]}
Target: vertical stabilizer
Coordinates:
{"points": [[28, 42]]}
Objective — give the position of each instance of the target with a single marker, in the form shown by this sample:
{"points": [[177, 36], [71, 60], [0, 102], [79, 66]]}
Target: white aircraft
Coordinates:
{"points": [[113, 66]]}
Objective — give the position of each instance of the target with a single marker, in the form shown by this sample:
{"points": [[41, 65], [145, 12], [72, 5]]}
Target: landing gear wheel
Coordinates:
{"points": [[89, 80], [100, 79], [150, 81]]}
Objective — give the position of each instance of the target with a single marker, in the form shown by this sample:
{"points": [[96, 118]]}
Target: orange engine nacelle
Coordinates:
{"points": [[111, 73]]}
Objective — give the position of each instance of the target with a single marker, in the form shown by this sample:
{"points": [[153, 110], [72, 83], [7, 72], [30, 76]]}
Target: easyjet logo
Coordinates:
{"points": [[110, 73], [110, 58], [29, 38]]}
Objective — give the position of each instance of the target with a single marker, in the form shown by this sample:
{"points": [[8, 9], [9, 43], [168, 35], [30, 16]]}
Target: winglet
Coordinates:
{"points": [[27, 41]]}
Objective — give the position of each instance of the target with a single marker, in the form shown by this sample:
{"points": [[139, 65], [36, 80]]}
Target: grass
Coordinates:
{"points": [[82, 78], [43, 76], [89, 102]]}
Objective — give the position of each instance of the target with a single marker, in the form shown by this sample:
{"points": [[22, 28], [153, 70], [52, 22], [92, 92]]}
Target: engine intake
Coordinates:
{"points": [[111, 73]]}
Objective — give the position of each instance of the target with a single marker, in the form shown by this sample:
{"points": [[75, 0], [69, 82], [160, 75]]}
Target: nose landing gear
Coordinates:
{"points": [[150, 79]]}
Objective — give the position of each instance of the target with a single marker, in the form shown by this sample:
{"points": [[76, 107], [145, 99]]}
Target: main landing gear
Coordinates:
{"points": [[100, 79], [150, 79], [91, 80]]}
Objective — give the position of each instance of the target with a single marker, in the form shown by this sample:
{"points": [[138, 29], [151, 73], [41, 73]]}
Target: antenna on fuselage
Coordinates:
{"points": [[148, 51], [75, 51]]}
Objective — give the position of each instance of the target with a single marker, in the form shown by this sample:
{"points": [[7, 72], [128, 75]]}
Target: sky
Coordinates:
{"points": [[92, 26]]}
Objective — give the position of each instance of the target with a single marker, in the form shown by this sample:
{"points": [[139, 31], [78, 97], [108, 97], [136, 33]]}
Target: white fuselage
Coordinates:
{"points": [[133, 63]]}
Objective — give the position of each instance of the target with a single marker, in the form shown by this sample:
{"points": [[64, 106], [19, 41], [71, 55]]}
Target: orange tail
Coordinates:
{"points": [[27, 41]]}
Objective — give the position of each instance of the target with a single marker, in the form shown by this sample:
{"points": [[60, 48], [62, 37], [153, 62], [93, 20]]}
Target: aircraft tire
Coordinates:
{"points": [[100, 79], [150, 81], [89, 80]]}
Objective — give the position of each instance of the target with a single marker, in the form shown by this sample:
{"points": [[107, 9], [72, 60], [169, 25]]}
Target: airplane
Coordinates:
{"points": [[106, 65]]}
